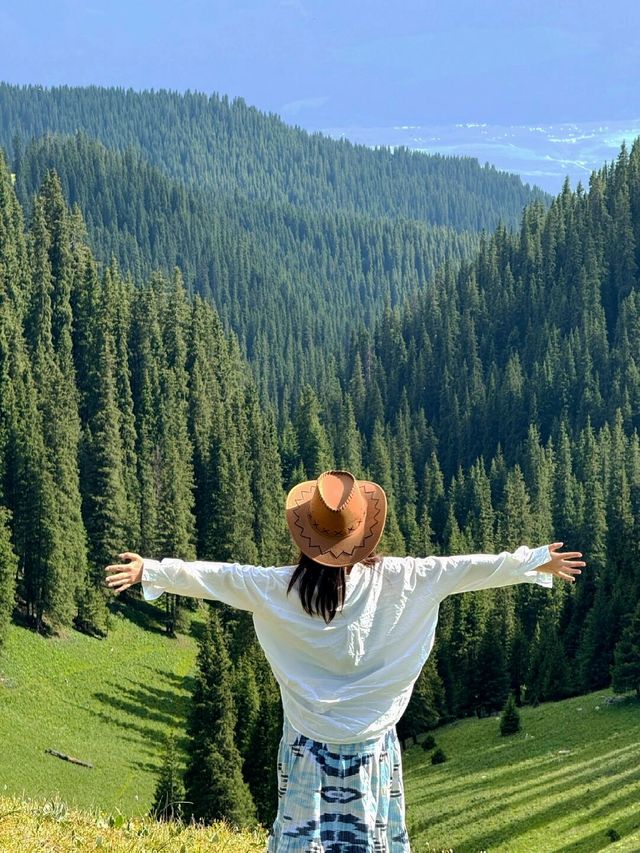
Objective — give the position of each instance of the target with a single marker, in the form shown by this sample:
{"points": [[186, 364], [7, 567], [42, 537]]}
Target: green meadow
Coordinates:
{"points": [[107, 702], [569, 781]]}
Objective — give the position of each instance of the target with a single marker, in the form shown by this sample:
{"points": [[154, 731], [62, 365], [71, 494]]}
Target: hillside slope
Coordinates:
{"points": [[568, 781], [562, 784], [230, 147], [108, 702]]}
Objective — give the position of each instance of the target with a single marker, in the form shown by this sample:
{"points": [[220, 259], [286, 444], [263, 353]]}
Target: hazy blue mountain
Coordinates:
{"points": [[542, 154]]}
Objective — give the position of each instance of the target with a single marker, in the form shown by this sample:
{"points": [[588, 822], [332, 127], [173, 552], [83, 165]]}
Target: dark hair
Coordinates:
{"points": [[326, 583]]}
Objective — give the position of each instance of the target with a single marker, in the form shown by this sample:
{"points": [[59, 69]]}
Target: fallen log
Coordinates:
{"points": [[70, 758]]}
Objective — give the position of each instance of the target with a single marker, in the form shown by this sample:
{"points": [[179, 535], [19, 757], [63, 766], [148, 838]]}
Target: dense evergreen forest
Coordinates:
{"points": [[321, 233], [310, 272], [233, 149], [495, 397]]}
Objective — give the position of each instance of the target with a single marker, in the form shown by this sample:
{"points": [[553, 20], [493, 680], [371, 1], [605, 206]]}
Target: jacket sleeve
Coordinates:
{"points": [[469, 572], [241, 586]]}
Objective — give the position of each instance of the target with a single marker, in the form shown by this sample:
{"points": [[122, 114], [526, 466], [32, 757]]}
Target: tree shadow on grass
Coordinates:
{"points": [[511, 776], [545, 817], [166, 707], [112, 721], [555, 784], [142, 613], [180, 682], [146, 710], [489, 809], [626, 829]]}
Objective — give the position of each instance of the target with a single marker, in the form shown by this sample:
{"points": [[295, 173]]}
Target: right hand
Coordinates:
{"points": [[121, 577]]}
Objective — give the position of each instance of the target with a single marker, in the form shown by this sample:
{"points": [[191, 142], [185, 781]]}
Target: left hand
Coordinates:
{"points": [[121, 577], [562, 564]]}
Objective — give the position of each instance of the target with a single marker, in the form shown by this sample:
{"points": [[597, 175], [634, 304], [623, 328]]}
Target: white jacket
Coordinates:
{"points": [[352, 679]]}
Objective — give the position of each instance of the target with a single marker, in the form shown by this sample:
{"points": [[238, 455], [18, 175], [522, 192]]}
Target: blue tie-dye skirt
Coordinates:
{"points": [[339, 798]]}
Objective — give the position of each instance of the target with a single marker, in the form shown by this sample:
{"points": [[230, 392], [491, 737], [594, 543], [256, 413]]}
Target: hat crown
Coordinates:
{"points": [[336, 520], [337, 506]]}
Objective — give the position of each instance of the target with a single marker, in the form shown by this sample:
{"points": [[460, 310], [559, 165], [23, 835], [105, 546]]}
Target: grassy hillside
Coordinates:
{"points": [[49, 825], [569, 781], [108, 702]]}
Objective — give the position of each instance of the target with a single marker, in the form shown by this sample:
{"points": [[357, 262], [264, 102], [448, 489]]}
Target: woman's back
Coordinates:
{"points": [[349, 680]]}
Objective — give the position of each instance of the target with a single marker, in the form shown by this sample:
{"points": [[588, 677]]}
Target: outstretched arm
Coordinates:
{"points": [[240, 586], [469, 572]]}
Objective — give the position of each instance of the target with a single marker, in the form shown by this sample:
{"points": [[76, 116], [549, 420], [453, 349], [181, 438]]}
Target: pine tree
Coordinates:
{"points": [[434, 500], [510, 718], [491, 675], [515, 519], [593, 656], [518, 663], [313, 444], [481, 523], [404, 481], [349, 446], [58, 572], [168, 799], [426, 705], [230, 530], [8, 572], [392, 541], [269, 526], [292, 469], [247, 701], [626, 668], [455, 540], [64, 420], [124, 294], [176, 532], [146, 343], [214, 787], [106, 508], [262, 751], [549, 677]]}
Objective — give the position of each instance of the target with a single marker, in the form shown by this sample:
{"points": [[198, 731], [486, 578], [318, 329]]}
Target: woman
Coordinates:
{"points": [[346, 678]]}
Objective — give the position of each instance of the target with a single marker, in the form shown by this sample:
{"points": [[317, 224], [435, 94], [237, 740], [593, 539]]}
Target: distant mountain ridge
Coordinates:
{"points": [[228, 146], [542, 154]]}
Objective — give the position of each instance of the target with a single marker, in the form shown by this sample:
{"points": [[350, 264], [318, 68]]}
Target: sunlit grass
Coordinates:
{"points": [[28, 826], [108, 702], [569, 781]]}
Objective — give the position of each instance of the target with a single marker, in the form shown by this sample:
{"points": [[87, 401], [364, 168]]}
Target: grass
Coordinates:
{"points": [[109, 702], [28, 826], [568, 782]]}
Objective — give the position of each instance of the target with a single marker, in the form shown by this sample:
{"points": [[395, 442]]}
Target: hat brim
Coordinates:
{"points": [[329, 550]]}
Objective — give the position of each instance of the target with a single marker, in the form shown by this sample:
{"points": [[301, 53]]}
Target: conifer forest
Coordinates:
{"points": [[201, 306]]}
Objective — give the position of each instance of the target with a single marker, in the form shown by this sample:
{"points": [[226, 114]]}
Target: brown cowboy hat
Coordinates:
{"points": [[336, 520]]}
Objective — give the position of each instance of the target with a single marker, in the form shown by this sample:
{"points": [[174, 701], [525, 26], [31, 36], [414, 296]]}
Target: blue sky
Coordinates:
{"points": [[322, 64]]}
